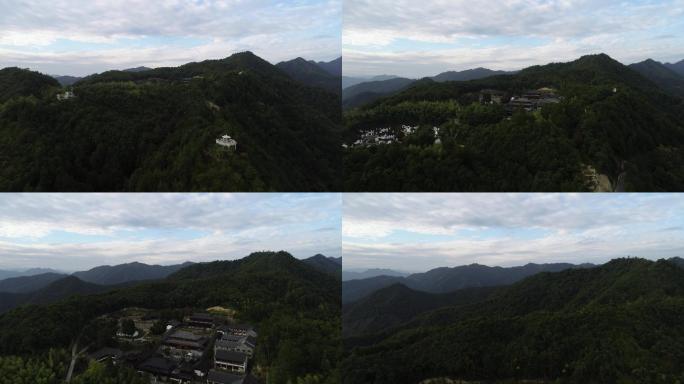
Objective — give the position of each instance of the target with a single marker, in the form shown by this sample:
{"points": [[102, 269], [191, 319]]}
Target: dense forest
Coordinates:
{"points": [[610, 120], [616, 323], [295, 307], [155, 130]]}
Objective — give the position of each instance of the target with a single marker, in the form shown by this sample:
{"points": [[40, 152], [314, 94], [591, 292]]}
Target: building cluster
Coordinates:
{"points": [[201, 349], [66, 95], [388, 135], [529, 101]]}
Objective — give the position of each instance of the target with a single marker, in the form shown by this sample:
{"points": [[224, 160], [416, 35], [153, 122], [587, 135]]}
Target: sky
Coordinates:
{"points": [[423, 38], [418, 232], [72, 232], [75, 37]]}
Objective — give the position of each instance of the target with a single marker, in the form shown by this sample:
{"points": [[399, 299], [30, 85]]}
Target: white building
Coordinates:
{"points": [[66, 95], [227, 141]]}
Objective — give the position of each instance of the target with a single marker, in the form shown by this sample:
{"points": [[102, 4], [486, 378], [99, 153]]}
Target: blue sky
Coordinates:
{"points": [[416, 39], [417, 232], [73, 37], [79, 231]]}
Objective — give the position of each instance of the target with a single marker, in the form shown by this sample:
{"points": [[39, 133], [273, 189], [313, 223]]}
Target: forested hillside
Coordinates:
{"points": [[155, 130], [295, 308], [606, 128], [616, 323]]}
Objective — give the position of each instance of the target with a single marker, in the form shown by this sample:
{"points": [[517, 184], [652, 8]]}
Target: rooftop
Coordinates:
{"points": [[230, 356]]}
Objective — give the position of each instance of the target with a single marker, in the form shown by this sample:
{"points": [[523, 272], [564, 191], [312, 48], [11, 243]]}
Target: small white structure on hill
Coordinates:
{"points": [[227, 141], [66, 95]]}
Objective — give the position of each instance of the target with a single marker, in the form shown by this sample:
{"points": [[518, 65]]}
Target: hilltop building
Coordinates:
{"points": [[227, 141]]}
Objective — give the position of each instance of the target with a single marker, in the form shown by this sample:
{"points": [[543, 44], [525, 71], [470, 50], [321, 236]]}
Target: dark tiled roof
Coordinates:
{"points": [[230, 356], [106, 352], [224, 377], [158, 365]]}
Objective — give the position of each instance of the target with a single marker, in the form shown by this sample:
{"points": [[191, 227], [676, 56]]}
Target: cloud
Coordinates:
{"points": [[420, 231], [78, 231], [59, 35], [455, 34]]}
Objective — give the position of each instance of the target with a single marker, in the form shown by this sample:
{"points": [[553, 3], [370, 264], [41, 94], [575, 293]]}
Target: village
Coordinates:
{"points": [[205, 347], [388, 135]]}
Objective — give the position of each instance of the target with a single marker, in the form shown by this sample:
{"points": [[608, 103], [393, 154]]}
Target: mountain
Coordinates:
{"points": [[22, 82], [32, 283], [396, 304], [138, 69], [331, 265], [123, 273], [367, 92], [25, 272], [468, 74], [598, 125], [156, 130], [618, 322], [295, 308], [67, 80], [57, 290], [356, 275], [449, 279], [333, 67], [664, 77], [677, 67], [348, 81], [311, 74]]}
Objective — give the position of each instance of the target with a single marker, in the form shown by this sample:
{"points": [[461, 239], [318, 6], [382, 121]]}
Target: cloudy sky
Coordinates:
{"points": [[422, 38], [417, 232], [72, 232], [75, 37]]}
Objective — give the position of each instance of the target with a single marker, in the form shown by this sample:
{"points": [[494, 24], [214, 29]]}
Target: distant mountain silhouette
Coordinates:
{"points": [[24, 284], [331, 265], [55, 291], [333, 67], [348, 81], [449, 279], [661, 75], [677, 67], [22, 82], [356, 275], [137, 69], [468, 74], [311, 74], [123, 273], [5, 274], [67, 80], [367, 92]]}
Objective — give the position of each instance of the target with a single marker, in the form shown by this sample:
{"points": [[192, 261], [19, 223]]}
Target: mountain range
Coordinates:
{"points": [[289, 302], [49, 287], [323, 75], [617, 322], [156, 130], [364, 274], [448, 279], [357, 94]]}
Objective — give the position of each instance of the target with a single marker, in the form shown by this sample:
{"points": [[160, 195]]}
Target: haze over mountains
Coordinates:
{"points": [[551, 325], [358, 91], [448, 279]]}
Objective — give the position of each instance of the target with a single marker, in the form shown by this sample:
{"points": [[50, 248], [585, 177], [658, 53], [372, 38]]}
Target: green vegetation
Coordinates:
{"points": [[616, 323], [295, 308], [610, 118], [156, 131]]}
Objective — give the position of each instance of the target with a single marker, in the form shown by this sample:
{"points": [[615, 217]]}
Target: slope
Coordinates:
{"points": [[661, 75], [311, 74], [16, 82], [618, 322], [607, 117], [25, 284], [156, 130]]}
